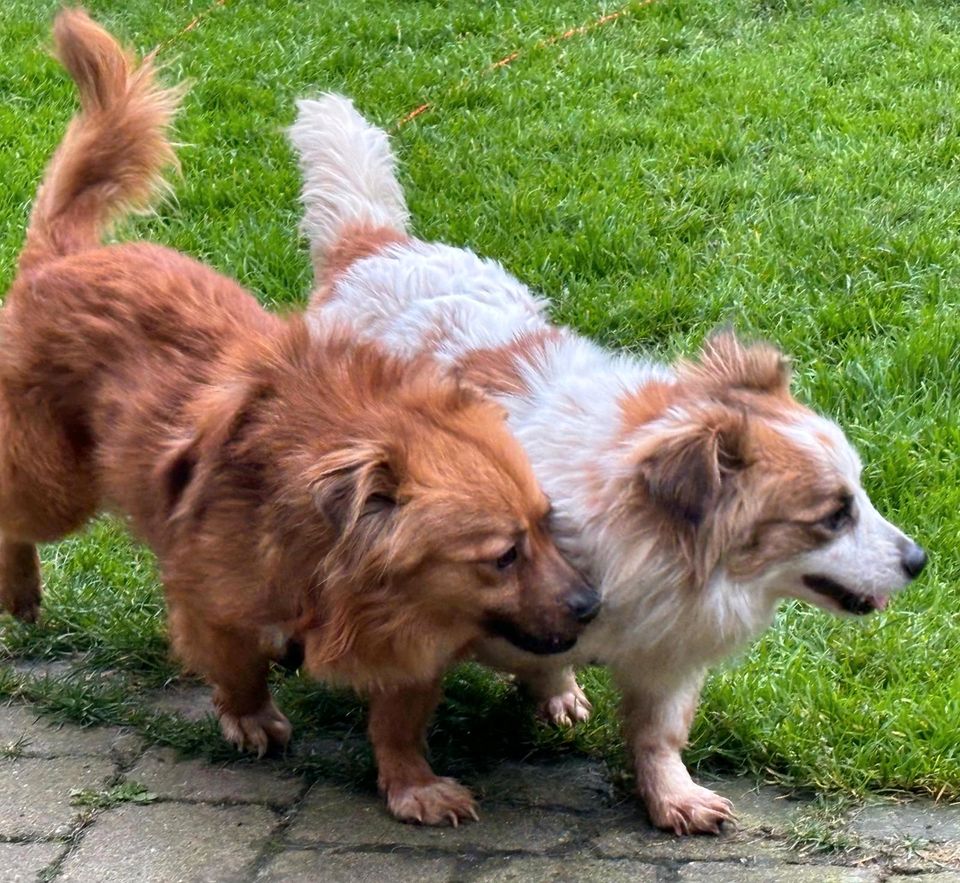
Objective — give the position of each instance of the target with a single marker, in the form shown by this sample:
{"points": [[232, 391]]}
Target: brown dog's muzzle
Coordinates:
{"points": [[555, 603]]}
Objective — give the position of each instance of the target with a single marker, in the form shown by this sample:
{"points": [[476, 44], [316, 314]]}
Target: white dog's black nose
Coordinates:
{"points": [[913, 561]]}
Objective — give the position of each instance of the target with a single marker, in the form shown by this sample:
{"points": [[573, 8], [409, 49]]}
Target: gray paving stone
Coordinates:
{"points": [[35, 793], [922, 820], [58, 669], [941, 877], [21, 862], [336, 816], [170, 843], [573, 784], [758, 807], [164, 775], [625, 832], [308, 866], [569, 869], [733, 872], [192, 702], [20, 725]]}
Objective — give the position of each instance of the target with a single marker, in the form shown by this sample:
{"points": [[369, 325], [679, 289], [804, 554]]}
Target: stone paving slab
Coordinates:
{"points": [[21, 862], [569, 869], [250, 822], [920, 820], [23, 731], [731, 872], [333, 815], [58, 669], [307, 866], [35, 793], [571, 784], [759, 807], [942, 877], [161, 772], [170, 842], [627, 834], [192, 702]]}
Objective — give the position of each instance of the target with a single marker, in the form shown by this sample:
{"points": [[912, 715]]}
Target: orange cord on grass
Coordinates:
{"points": [[503, 62], [540, 44], [200, 16]]}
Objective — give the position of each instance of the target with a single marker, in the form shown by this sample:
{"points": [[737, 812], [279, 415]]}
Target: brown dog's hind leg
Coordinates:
{"points": [[46, 492], [234, 663], [398, 724], [19, 579]]}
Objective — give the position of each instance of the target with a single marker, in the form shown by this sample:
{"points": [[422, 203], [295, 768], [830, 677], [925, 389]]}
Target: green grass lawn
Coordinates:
{"points": [[790, 166]]}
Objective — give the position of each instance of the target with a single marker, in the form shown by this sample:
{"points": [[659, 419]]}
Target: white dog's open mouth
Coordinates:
{"points": [[851, 602]]}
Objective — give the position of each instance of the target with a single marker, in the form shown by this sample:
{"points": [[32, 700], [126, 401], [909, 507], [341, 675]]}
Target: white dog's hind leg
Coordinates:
{"points": [[550, 683], [560, 699]]}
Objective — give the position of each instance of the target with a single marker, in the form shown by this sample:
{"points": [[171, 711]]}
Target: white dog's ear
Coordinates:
{"points": [[683, 467], [727, 362]]}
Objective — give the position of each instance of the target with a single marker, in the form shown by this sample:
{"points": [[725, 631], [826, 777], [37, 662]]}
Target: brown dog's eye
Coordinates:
{"points": [[840, 517], [507, 558]]}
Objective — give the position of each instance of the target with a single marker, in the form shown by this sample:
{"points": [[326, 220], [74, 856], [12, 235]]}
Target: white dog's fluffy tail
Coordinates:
{"points": [[349, 174]]}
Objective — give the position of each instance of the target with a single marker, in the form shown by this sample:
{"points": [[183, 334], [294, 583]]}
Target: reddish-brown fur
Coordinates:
{"points": [[290, 487], [499, 369], [355, 244]]}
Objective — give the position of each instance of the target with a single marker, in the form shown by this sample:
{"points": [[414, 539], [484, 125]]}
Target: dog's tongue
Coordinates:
{"points": [[879, 601]]}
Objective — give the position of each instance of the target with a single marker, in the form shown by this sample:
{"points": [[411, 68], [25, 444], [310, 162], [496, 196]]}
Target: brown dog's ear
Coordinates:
{"points": [[190, 461], [353, 485], [683, 468], [726, 361]]}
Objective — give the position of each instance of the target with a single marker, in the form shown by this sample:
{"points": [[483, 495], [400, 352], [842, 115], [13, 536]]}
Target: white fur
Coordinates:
{"points": [[349, 173], [656, 635]]}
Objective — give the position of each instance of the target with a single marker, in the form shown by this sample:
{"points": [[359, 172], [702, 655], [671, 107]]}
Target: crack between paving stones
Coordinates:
{"points": [[27, 838], [268, 851], [73, 841]]}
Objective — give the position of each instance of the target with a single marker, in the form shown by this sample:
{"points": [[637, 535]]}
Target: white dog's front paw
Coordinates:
{"points": [[694, 810], [257, 732], [567, 708]]}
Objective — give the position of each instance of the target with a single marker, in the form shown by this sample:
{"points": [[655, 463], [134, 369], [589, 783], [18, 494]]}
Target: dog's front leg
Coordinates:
{"points": [[234, 662], [414, 793], [19, 579], [657, 723]]}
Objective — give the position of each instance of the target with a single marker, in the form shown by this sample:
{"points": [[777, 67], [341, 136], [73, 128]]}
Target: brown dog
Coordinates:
{"points": [[292, 487]]}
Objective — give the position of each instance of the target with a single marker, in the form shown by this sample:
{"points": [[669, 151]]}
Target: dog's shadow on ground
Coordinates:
{"points": [[483, 721]]}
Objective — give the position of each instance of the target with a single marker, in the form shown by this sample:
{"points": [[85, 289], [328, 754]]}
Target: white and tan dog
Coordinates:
{"points": [[696, 496]]}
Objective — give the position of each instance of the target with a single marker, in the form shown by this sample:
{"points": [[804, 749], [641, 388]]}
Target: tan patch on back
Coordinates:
{"points": [[641, 406], [500, 369], [354, 245]]}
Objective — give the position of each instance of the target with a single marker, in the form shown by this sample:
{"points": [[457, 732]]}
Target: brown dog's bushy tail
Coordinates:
{"points": [[112, 157]]}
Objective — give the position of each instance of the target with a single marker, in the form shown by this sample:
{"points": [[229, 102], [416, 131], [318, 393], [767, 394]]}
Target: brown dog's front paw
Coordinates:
{"points": [[567, 708], [694, 810], [257, 732], [441, 801]]}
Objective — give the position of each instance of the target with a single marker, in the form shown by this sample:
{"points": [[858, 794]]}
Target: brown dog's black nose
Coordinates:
{"points": [[585, 605], [913, 561]]}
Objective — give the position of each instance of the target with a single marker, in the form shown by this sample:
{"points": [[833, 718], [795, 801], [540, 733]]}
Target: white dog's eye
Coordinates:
{"points": [[840, 517]]}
